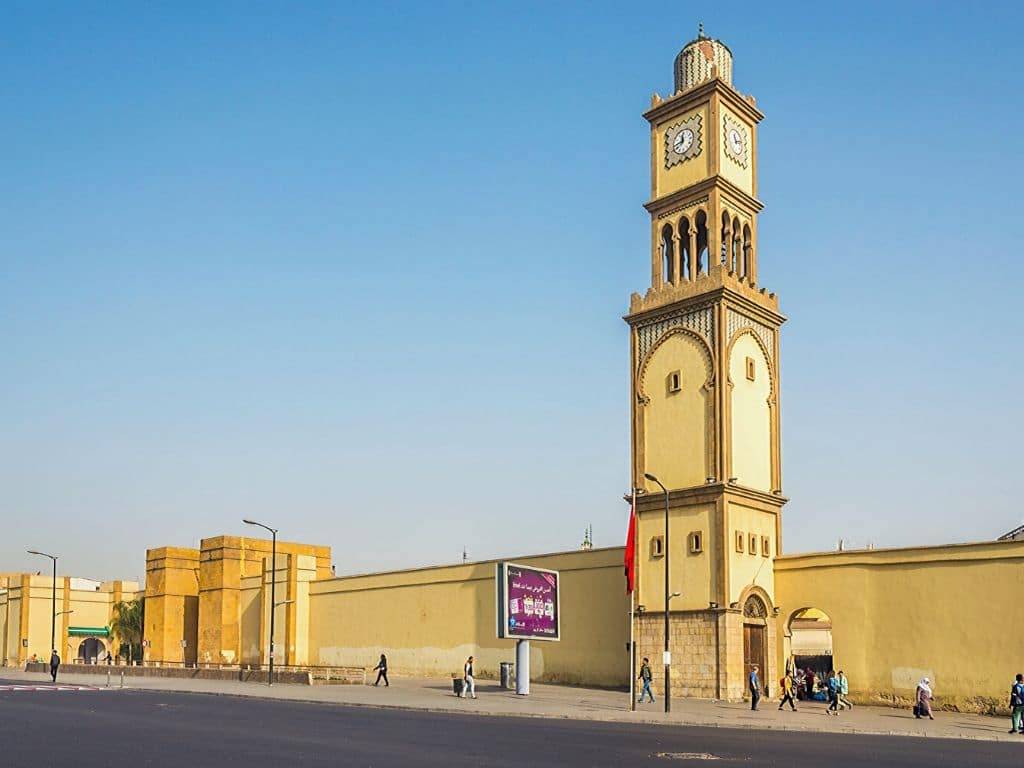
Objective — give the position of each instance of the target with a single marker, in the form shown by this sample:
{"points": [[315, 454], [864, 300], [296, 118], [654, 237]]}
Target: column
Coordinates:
{"points": [[692, 255], [677, 263]]}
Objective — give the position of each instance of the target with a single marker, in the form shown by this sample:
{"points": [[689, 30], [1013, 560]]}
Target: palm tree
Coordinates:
{"points": [[127, 623]]}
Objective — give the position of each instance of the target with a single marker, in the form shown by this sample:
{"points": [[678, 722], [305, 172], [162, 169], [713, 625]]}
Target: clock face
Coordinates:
{"points": [[735, 139], [683, 141], [735, 142]]}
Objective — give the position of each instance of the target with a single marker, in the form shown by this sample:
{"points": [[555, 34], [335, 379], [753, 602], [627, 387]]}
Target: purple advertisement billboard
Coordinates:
{"points": [[527, 602]]}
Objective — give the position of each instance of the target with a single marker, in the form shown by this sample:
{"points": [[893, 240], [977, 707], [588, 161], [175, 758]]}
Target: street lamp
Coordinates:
{"points": [[53, 598], [668, 679], [273, 593]]}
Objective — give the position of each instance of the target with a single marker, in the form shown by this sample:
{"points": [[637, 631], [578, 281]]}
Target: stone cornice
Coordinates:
{"points": [[717, 285], [683, 197], [706, 494], [686, 100]]}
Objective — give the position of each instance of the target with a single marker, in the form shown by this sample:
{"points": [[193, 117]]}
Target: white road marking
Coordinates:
{"points": [[49, 688]]}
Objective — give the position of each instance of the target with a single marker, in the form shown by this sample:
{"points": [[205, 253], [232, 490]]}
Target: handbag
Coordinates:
{"points": [[917, 710]]}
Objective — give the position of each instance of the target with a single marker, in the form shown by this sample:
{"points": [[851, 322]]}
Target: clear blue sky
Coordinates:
{"points": [[358, 270]]}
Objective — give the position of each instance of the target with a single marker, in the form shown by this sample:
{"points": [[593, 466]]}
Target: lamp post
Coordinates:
{"points": [[668, 596], [273, 593], [53, 598]]}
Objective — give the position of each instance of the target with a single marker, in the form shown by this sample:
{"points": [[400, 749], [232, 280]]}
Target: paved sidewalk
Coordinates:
{"points": [[572, 703]]}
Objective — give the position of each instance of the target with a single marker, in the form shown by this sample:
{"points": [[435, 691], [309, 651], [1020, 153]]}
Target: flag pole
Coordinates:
{"points": [[632, 608]]}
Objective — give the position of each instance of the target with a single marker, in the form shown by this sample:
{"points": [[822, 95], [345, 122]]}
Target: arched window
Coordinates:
{"points": [[703, 264], [754, 608], [725, 256], [668, 272], [684, 248]]}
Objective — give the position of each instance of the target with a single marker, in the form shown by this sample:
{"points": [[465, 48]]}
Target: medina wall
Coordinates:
{"points": [[429, 620], [944, 612]]}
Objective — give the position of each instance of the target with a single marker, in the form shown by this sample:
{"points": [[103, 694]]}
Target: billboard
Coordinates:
{"points": [[528, 607]]}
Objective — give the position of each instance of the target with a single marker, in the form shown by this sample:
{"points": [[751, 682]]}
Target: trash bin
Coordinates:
{"points": [[457, 683], [507, 674]]}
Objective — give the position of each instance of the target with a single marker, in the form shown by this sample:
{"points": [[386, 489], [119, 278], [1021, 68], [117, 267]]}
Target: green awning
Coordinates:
{"points": [[89, 631]]}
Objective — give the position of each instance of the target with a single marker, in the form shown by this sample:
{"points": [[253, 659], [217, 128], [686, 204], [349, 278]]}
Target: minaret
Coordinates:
{"points": [[705, 387]]}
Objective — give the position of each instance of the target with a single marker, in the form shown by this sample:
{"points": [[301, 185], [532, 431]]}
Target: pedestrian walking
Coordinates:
{"points": [[382, 671], [646, 676], [788, 686], [469, 684], [54, 664], [844, 689], [755, 688], [1017, 705], [923, 699], [832, 684]]}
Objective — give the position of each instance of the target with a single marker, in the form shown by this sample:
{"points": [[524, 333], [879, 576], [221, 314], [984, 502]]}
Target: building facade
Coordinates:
{"points": [[82, 611]]}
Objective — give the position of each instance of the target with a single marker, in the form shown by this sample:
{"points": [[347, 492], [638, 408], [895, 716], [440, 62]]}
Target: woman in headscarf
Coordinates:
{"points": [[923, 699]]}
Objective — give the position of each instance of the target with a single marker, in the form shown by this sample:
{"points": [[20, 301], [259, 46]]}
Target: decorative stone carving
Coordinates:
{"points": [[754, 608], [683, 141], [736, 322], [700, 321]]}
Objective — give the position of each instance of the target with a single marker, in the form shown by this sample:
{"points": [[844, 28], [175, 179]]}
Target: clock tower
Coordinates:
{"points": [[705, 390]]}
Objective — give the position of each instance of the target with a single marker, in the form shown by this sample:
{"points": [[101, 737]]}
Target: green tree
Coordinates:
{"points": [[127, 624]]}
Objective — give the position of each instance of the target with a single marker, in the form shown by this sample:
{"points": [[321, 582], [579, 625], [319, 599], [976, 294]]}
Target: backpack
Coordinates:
{"points": [[1017, 695]]}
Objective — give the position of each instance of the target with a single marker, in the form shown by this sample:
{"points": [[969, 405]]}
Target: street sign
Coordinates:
{"points": [[667, 657]]}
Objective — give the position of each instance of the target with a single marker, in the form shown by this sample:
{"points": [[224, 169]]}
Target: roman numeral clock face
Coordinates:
{"points": [[682, 141]]}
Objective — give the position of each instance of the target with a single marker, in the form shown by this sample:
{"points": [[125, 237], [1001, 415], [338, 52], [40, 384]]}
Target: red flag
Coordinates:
{"points": [[631, 551]]}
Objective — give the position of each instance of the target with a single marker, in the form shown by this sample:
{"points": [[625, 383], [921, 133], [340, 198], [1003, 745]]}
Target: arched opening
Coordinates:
{"points": [[92, 650], [668, 271], [810, 650], [703, 264], [684, 247]]}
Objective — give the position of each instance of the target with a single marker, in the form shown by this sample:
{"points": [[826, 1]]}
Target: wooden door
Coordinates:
{"points": [[754, 653]]}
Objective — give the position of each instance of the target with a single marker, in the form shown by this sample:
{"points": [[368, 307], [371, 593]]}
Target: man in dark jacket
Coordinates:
{"points": [[54, 664]]}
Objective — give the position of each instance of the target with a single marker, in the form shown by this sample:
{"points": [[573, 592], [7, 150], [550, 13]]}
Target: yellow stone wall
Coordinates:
{"points": [[898, 615], [691, 573], [172, 604], [748, 569], [668, 415], [742, 177], [223, 564], [751, 417], [686, 173], [429, 620]]}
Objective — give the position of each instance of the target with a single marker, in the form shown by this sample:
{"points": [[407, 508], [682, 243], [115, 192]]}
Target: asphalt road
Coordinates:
{"points": [[105, 728]]}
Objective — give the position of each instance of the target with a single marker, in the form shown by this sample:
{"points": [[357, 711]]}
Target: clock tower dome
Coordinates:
{"points": [[705, 389]]}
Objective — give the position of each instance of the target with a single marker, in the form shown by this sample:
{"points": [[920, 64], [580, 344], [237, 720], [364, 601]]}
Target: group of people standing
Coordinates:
{"points": [[801, 685]]}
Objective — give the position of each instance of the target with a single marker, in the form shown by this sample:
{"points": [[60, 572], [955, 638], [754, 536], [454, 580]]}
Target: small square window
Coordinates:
{"points": [[675, 382], [752, 544], [766, 546], [750, 368], [739, 541], [696, 542], [657, 546]]}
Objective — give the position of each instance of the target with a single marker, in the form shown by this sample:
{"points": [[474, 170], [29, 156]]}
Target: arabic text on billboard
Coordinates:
{"points": [[532, 608]]}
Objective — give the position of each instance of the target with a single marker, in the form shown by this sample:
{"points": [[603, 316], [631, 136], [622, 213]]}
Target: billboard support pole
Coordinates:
{"points": [[632, 625], [522, 667]]}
